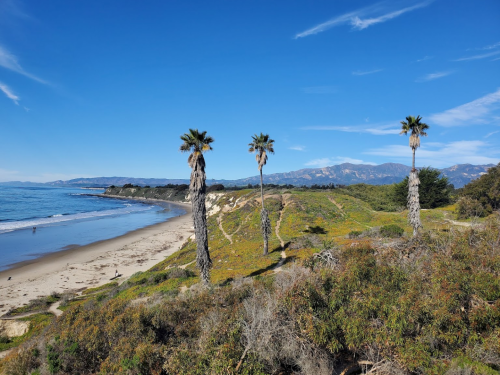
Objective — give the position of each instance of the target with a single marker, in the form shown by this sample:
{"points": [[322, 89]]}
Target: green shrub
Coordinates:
{"points": [[4, 339], [435, 189], [391, 230], [354, 233], [468, 207]]}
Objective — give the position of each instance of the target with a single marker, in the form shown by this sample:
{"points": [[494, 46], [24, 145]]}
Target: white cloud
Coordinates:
{"points": [[490, 134], [9, 61], [491, 46], [7, 91], [441, 154], [478, 111], [359, 20], [433, 76], [375, 129], [325, 162], [363, 73], [320, 90], [478, 57], [425, 58], [297, 148]]}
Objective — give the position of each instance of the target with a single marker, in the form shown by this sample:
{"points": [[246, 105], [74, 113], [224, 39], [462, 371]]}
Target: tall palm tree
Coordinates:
{"points": [[262, 145], [417, 129], [197, 143]]}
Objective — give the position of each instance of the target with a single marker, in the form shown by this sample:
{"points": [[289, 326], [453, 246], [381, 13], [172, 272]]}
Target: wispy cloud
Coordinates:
{"points": [[320, 90], [490, 134], [363, 73], [297, 148], [362, 18], [375, 129], [424, 58], [478, 111], [325, 162], [491, 46], [478, 57], [7, 91], [433, 76], [9, 61], [442, 155]]}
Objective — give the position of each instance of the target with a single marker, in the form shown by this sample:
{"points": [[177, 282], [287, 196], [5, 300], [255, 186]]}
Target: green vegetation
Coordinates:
{"points": [[379, 197], [480, 197], [350, 289], [432, 311], [391, 230], [435, 187]]}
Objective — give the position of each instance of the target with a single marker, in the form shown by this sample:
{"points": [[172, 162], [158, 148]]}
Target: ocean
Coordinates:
{"points": [[65, 218]]}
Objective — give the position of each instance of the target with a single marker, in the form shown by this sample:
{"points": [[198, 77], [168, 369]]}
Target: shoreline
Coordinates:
{"points": [[92, 265]]}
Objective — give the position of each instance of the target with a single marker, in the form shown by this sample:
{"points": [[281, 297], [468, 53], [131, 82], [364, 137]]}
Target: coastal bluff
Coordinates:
{"points": [[180, 193]]}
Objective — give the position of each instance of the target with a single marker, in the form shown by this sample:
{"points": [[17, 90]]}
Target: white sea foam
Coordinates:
{"points": [[14, 225]]}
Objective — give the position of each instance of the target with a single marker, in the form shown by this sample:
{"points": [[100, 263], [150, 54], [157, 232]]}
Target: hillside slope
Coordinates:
{"points": [[324, 301]]}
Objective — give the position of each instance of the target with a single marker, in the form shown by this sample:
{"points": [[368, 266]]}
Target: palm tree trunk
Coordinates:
{"points": [[265, 224], [261, 189], [197, 190], [414, 199]]}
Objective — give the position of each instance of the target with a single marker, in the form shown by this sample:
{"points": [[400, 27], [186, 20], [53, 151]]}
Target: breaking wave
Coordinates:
{"points": [[15, 225]]}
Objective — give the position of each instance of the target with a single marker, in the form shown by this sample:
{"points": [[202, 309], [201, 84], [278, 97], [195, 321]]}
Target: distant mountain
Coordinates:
{"points": [[345, 174], [117, 181], [348, 174]]}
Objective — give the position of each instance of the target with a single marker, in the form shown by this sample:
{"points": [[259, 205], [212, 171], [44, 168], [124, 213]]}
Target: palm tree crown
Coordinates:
{"points": [[261, 144], [417, 129], [197, 143]]}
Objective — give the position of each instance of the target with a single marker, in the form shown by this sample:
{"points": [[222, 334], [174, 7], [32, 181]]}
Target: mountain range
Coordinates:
{"points": [[345, 174]]}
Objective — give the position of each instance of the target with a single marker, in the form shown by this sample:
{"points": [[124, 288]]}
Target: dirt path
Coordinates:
{"points": [[277, 229], [459, 223], [5, 352], [54, 309], [339, 206], [282, 243], [219, 221], [187, 264]]}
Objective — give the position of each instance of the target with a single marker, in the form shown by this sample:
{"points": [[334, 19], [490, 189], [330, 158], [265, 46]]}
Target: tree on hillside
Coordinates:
{"points": [[436, 186], [262, 145], [481, 196], [417, 129], [197, 143]]}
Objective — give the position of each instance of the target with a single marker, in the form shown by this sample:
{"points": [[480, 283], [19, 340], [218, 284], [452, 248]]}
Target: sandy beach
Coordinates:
{"points": [[94, 264]]}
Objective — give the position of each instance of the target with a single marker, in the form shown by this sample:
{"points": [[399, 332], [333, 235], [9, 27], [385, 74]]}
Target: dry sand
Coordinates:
{"points": [[93, 265]]}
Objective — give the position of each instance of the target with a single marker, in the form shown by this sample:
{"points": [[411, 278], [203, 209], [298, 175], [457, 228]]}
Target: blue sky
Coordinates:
{"points": [[105, 88]]}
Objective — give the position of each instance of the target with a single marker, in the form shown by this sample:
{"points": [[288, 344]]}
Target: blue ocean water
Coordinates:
{"points": [[67, 217]]}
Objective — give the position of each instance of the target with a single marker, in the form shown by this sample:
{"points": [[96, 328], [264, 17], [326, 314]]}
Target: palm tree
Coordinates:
{"points": [[417, 129], [197, 143], [262, 145]]}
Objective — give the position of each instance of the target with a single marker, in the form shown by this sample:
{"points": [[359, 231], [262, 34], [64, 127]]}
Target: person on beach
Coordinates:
{"points": [[116, 273]]}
